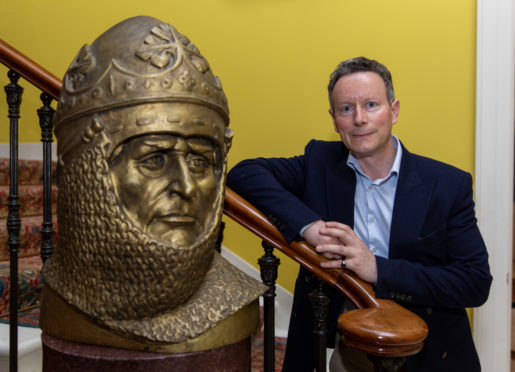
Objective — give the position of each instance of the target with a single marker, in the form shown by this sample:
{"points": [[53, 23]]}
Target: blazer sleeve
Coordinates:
{"points": [[450, 268], [275, 186]]}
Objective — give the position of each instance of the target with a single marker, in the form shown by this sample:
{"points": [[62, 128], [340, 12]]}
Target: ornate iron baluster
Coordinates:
{"points": [[45, 114], [320, 305], [13, 92], [268, 265]]}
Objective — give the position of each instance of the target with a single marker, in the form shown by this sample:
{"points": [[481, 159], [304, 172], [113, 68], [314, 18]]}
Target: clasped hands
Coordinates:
{"points": [[337, 242]]}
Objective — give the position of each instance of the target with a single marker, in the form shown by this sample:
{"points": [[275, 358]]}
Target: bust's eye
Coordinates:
{"points": [[152, 162], [197, 163]]}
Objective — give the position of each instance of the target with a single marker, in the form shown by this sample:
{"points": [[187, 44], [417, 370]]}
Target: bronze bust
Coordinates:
{"points": [[142, 130]]}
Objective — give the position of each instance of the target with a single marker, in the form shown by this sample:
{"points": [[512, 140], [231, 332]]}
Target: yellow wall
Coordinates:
{"points": [[274, 58]]}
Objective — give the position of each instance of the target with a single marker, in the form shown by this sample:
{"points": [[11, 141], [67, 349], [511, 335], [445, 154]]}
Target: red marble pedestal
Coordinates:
{"points": [[60, 355]]}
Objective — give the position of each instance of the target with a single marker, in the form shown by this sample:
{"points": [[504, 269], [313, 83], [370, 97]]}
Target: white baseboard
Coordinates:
{"points": [[29, 349], [28, 151], [283, 299]]}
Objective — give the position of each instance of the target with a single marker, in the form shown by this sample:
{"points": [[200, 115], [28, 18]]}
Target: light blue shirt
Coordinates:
{"points": [[373, 204]]}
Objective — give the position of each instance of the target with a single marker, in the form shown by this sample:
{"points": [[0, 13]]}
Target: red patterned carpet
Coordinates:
{"points": [[30, 318], [27, 318], [257, 353]]}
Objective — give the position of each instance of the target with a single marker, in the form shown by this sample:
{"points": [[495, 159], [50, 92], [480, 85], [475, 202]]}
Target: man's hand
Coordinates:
{"points": [[313, 236], [358, 257]]}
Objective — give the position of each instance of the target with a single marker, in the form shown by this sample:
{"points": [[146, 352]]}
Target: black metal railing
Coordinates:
{"points": [[14, 97], [46, 114], [269, 266], [14, 93]]}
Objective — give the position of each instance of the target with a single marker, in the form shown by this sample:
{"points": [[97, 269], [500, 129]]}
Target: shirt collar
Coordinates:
{"points": [[354, 164]]}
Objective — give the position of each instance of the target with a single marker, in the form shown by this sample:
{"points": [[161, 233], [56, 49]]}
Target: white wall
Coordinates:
{"points": [[494, 174]]}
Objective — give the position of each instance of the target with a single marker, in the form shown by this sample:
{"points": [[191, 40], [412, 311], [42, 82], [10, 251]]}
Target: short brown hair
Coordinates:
{"points": [[360, 64]]}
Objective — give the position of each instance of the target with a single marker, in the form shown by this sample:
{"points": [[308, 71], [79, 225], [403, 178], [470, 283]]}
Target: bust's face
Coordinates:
{"points": [[168, 180]]}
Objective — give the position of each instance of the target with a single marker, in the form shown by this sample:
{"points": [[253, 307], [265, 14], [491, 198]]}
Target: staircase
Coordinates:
{"points": [[30, 190], [31, 211]]}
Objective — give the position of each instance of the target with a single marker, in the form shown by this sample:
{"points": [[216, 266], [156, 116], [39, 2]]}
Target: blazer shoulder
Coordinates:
{"points": [[435, 168], [330, 150]]}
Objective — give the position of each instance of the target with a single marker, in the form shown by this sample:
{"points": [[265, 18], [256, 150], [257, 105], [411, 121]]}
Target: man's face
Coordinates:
{"points": [[168, 182], [363, 116]]}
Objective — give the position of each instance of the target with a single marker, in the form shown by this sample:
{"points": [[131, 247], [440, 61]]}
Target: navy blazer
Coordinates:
{"points": [[437, 264]]}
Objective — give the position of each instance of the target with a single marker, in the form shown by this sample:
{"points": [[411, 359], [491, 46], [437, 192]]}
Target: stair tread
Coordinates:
{"points": [[30, 172], [31, 200], [30, 236], [30, 284]]}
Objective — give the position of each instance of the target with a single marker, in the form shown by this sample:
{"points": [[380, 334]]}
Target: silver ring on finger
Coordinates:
{"points": [[343, 264]]}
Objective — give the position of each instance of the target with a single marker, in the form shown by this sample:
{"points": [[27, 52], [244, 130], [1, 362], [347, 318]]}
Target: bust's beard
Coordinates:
{"points": [[105, 265]]}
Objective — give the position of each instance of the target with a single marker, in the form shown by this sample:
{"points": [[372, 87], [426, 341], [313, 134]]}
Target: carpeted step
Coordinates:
{"points": [[31, 200], [30, 284], [30, 191], [30, 236], [30, 172]]}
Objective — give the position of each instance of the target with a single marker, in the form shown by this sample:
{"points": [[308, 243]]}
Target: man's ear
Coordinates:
{"points": [[334, 119], [396, 105]]}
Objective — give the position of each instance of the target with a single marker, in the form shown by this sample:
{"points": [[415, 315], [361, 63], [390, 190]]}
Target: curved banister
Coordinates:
{"points": [[379, 327], [356, 290], [29, 70]]}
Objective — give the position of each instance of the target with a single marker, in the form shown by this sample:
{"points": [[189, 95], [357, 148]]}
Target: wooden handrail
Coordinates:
{"points": [[378, 327], [29, 70], [356, 290]]}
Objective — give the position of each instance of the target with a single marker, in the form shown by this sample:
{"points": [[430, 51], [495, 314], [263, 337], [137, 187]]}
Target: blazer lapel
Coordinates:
{"points": [[412, 199]]}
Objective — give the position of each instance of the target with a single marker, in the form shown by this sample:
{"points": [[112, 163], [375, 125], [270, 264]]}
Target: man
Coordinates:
{"points": [[400, 221]]}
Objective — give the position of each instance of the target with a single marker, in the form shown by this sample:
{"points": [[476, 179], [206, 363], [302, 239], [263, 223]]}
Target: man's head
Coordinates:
{"points": [[361, 64], [363, 109]]}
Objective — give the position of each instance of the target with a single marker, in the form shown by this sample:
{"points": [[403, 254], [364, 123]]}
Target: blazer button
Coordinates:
{"points": [[444, 355], [392, 295], [410, 298], [429, 310], [403, 297]]}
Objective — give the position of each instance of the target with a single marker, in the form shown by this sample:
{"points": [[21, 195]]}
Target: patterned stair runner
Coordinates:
{"points": [[30, 191]]}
